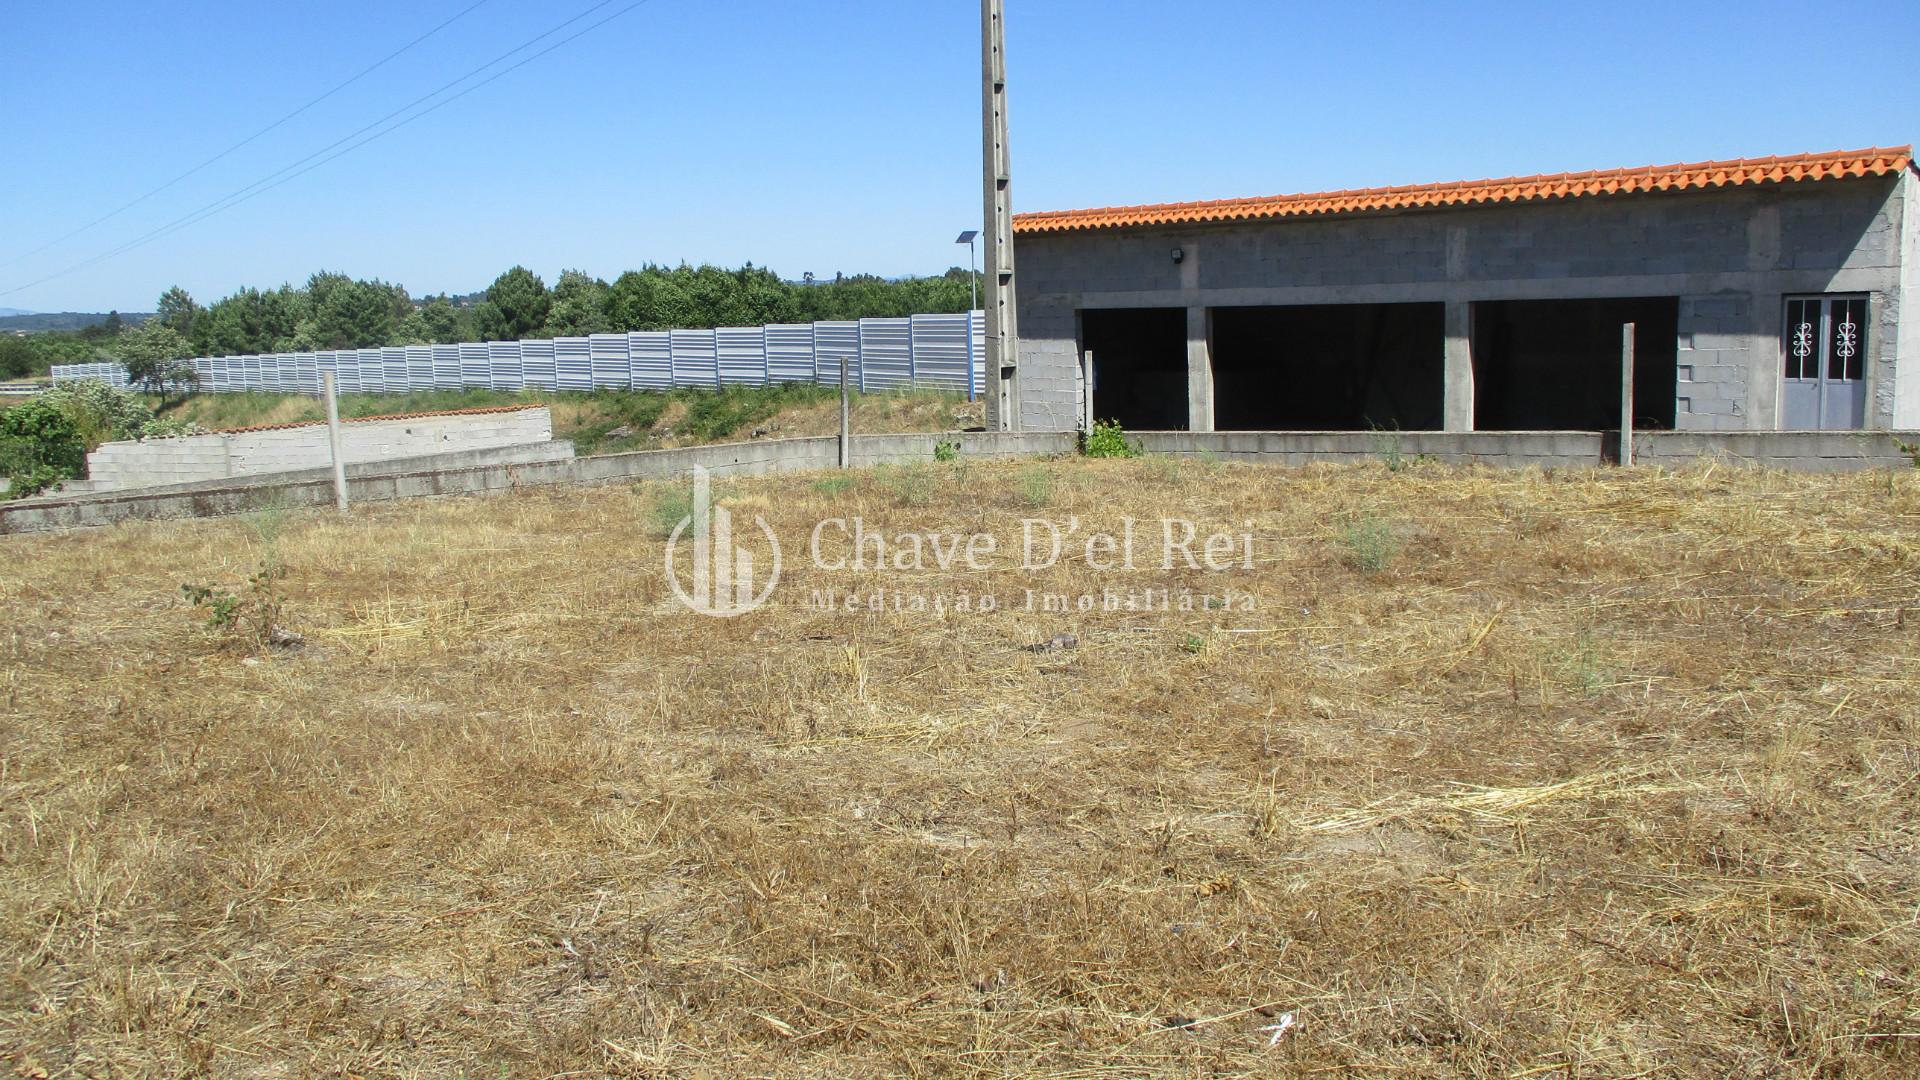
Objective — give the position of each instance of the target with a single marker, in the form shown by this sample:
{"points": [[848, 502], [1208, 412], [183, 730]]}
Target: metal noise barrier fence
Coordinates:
{"points": [[927, 351]]}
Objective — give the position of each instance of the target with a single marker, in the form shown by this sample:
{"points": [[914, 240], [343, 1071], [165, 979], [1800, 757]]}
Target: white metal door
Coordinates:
{"points": [[1824, 385]]}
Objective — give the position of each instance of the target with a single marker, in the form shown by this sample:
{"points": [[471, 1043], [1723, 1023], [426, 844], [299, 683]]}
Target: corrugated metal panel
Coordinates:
{"points": [[573, 363], [393, 369], [306, 367], [504, 356], [885, 355], [419, 367], [693, 358], [930, 350], [790, 353], [940, 351], [373, 371], [977, 341], [340, 362], [650, 360], [741, 352], [476, 364], [447, 370], [536, 361], [832, 342], [607, 359]]}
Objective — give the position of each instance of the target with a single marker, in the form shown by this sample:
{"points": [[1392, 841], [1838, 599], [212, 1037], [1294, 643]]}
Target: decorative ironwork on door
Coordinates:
{"points": [[1824, 385]]}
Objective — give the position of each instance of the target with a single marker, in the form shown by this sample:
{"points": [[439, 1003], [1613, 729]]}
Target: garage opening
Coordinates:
{"points": [[1554, 365], [1329, 367], [1139, 366]]}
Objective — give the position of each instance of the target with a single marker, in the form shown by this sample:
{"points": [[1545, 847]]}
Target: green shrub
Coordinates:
{"points": [[32, 480], [251, 616], [671, 505], [1036, 486], [1369, 544], [103, 413], [1108, 440], [40, 445], [946, 450]]}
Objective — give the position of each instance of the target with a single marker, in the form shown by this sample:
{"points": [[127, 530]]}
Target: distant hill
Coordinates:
{"points": [[5, 311], [62, 320]]}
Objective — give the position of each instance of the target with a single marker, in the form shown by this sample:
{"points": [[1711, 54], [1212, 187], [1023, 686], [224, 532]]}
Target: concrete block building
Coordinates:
{"points": [[1764, 293]]}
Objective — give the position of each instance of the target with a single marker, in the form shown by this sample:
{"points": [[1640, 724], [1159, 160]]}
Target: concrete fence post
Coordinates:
{"points": [[333, 442], [846, 416], [1626, 394]]}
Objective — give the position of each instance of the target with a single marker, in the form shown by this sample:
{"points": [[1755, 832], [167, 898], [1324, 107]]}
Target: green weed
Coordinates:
{"points": [[1036, 486], [670, 506], [1369, 544]]}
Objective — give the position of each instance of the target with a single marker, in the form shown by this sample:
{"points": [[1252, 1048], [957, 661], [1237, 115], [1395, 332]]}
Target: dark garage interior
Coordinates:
{"points": [[1554, 365], [1331, 367], [1139, 366]]}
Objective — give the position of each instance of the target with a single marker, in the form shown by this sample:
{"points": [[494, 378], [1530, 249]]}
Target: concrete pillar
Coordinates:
{"points": [[1458, 409], [1761, 404], [1199, 371]]}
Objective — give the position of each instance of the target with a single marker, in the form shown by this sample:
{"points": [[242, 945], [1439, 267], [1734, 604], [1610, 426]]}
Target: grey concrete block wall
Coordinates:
{"points": [[1506, 448], [1730, 256], [189, 459]]}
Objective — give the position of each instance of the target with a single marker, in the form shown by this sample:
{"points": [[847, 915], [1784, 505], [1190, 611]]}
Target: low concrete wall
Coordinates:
{"points": [[1797, 450], [119, 466], [1802, 451], [752, 458], [1511, 448], [557, 450]]}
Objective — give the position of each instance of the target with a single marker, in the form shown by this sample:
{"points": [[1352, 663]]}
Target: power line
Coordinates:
{"points": [[364, 72], [283, 175]]}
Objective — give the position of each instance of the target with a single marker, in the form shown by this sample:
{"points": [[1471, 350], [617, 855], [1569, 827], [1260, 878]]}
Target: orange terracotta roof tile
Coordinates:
{"points": [[371, 419], [1876, 161]]}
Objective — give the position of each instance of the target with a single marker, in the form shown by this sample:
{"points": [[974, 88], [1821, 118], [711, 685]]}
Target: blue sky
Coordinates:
{"points": [[843, 136]]}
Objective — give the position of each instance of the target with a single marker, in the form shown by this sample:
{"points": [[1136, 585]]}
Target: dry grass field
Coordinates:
{"points": [[1507, 774], [611, 421]]}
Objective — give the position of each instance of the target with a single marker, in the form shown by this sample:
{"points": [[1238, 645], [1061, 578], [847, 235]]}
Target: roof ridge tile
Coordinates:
{"points": [[1734, 172]]}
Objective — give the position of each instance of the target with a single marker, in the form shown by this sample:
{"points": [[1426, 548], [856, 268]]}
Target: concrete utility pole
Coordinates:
{"points": [[333, 440], [1003, 336]]}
